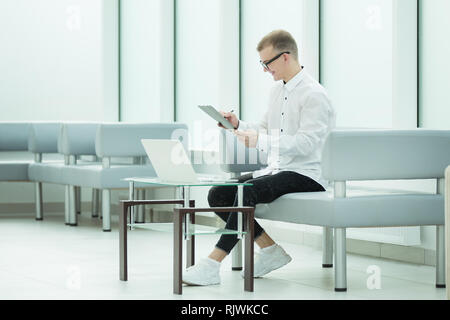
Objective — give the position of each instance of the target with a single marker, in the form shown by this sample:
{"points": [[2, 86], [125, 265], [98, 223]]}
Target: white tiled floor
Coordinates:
{"points": [[48, 260]]}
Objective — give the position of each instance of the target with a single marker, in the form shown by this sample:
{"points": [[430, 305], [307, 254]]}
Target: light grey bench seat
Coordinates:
{"points": [[75, 140], [47, 138], [47, 172], [14, 138], [111, 142], [360, 208], [36, 139], [42, 141], [106, 141], [50, 138], [361, 155]]}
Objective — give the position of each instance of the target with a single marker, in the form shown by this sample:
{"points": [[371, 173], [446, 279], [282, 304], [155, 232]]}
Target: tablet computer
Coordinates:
{"points": [[213, 113]]}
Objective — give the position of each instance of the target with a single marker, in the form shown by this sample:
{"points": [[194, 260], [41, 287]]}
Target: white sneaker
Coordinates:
{"points": [[204, 273], [268, 260]]}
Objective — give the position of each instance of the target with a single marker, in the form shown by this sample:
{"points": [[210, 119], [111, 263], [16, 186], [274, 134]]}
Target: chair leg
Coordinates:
{"points": [[106, 210], [190, 244], [38, 201], [151, 213], [78, 199], [67, 205], [100, 203], [140, 209], [177, 253], [236, 257], [95, 200], [123, 218], [440, 257], [340, 260], [249, 252], [327, 247], [72, 207]]}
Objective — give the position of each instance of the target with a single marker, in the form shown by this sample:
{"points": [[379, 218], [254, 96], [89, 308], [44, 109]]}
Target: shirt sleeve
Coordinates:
{"points": [[313, 129], [259, 126]]}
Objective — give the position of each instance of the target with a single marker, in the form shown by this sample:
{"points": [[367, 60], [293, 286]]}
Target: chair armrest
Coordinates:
{"points": [[77, 139], [43, 137], [14, 136]]}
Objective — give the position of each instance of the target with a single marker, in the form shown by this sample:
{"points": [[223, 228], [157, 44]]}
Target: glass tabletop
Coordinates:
{"points": [[194, 229], [199, 183]]}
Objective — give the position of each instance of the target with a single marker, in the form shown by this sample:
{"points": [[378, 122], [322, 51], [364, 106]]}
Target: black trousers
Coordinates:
{"points": [[264, 189]]}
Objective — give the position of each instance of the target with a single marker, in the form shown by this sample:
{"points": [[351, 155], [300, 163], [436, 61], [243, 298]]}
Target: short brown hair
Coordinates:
{"points": [[281, 41]]}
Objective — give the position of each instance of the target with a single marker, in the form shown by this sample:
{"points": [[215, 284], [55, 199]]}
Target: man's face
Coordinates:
{"points": [[275, 68]]}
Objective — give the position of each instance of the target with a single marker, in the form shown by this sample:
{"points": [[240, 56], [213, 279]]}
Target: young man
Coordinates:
{"points": [[292, 132]]}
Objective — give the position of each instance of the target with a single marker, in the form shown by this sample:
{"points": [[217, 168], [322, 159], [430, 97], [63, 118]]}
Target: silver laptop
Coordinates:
{"points": [[171, 163]]}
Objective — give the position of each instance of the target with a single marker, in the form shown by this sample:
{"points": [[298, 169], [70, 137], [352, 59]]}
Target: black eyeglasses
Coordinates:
{"points": [[266, 64]]}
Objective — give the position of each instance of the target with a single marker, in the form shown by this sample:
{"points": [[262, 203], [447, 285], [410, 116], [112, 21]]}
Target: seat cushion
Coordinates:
{"points": [[14, 170], [361, 208], [95, 176], [48, 172]]}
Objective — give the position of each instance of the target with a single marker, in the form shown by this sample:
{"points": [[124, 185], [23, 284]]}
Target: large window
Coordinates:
{"points": [[58, 60], [369, 67], [259, 17], [146, 61], [368, 61], [434, 56], [207, 64]]}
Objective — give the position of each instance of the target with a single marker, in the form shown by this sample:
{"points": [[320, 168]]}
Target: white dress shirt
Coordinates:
{"points": [[294, 128]]}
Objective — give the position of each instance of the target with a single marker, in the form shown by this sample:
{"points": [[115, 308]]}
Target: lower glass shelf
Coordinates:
{"points": [[195, 229]]}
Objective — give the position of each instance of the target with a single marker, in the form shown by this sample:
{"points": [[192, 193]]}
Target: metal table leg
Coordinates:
{"points": [[240, 195], [190, 244], [177, 252], [123, 242], [179, 214], [249, 251], [124, 217], [189, 220], [178, 219], [131, 198]]}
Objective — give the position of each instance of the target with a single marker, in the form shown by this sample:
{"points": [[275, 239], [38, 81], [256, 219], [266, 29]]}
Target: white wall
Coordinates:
{"points": [[58, 60]]}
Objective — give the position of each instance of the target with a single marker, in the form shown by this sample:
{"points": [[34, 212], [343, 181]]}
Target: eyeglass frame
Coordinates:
{"points": [[266, 64]]}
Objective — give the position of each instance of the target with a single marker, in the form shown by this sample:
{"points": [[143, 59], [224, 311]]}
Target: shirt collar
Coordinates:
{"points": [[295, 80]]}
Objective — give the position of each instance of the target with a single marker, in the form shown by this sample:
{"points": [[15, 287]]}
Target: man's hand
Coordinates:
{"points": [[249, 138], [231, 117]]}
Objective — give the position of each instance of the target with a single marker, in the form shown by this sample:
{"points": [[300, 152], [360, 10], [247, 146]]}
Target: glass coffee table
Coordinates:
{"points": [[184, 227]]}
